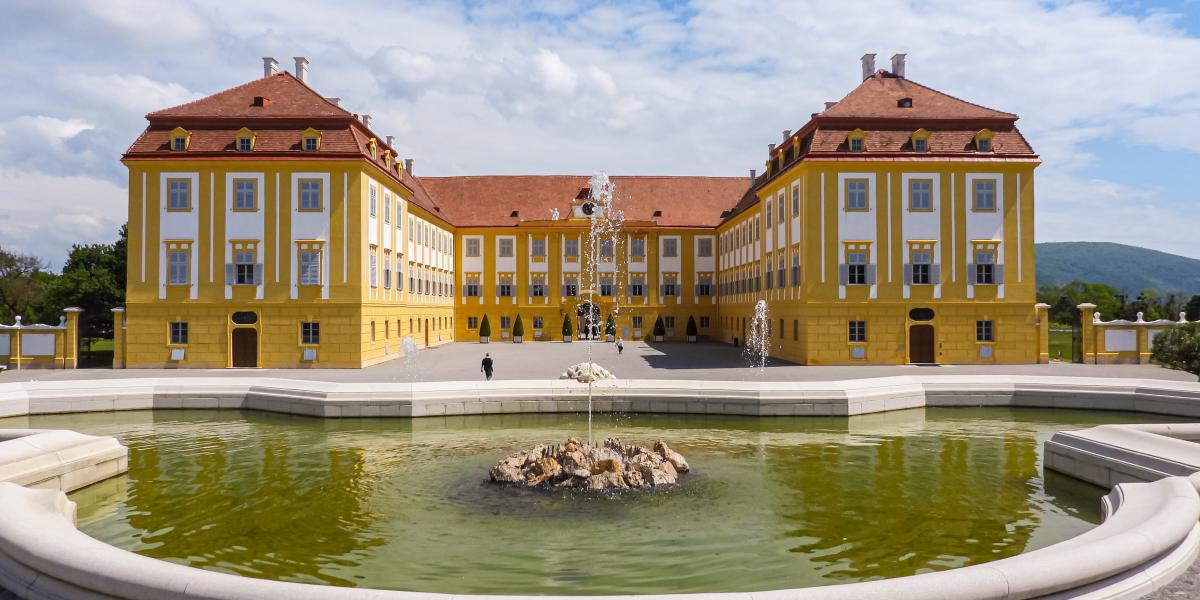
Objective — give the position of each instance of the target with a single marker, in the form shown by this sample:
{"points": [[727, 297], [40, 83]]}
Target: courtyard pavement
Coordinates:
{"points": [[708, 361]]}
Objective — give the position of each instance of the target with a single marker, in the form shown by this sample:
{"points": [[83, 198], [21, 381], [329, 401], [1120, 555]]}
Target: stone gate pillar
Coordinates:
{"points": [[1043, 335], [118, 338], [71, 338], [1087, 332]]}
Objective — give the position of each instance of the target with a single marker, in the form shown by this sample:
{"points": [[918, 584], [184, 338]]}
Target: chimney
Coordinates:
{"points": [[301, 68], [868, 64], [753, 175], [335, 100], [366, 120], [391, 139], [787, 133], [770, 147], [270, 66], [829, 105], [408, 165], [898, 65]]}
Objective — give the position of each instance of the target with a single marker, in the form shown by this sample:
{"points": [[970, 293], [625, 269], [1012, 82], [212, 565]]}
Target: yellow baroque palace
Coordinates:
{"points": [[269, 227]]}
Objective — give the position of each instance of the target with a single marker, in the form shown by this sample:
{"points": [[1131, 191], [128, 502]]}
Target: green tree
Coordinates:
{"points": [[1192, 308], [566, 328], [1149, 303], [23, 279], [692, 331], [610, 326], [518, 328], [93, 279], [1063, 300], [659, 328], [485, 328], [1179, 348]]}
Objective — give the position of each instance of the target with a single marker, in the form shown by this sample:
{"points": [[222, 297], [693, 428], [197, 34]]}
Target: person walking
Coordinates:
{"points": [[620, 347], [486, 367]]}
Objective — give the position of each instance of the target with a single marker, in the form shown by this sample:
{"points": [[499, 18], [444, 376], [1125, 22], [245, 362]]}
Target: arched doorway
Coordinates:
{"points": [[588, 320], [921, 344], [245, 347]]}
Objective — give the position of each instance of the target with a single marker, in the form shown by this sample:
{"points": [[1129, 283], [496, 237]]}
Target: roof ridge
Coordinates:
{"points": [[975, 104], [247, 84]]}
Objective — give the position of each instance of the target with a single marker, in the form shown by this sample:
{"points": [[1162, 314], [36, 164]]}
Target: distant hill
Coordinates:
{"points": [[1128, 268]]}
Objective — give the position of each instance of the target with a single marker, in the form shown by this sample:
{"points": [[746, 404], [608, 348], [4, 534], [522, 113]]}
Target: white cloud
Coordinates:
{"points": [[45, 214]]}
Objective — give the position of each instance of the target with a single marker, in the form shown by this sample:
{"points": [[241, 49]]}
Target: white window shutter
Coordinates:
{"points": [[870, 274], [935, 274], [843, 274], [999, 274], [258, 274], [230, 274], [908, 274], [972, 274]]}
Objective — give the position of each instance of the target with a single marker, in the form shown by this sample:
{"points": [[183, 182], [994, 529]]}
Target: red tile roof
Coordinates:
{"points": [[878, 96], [488, 201], [899, 140], [286, 97]]}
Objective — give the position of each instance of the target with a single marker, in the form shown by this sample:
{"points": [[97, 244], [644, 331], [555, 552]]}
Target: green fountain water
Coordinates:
{"points": [[404, 504]]}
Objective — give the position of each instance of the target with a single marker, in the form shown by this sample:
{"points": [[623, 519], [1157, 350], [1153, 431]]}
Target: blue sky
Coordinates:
{"points": [[1106, 91]]}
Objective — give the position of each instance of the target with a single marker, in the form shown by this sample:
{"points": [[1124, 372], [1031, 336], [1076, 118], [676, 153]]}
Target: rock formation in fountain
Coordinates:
{"points": [[609, 466], [583, 374]]}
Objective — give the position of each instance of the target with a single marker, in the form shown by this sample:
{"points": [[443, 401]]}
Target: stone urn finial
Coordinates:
{"points": [[1139, 317], [1183, 316], [18, 323], [1096, 317]]}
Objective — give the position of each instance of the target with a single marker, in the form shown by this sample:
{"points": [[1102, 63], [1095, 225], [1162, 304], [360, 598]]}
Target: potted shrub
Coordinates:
{"points": [[691, 329], [518, 331], [485, 330], [566, 328], [659, 329], [610, 328]]}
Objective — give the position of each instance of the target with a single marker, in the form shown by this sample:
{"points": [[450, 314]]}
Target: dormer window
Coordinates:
{"points": [[983, 141], [180, 139], [904, 103], [373, 146], [244, 140], [310, 140], [857, 140], [920, 140]]}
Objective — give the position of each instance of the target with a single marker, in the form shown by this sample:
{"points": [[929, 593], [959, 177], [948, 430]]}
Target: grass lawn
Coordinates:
{"points": [[100, 356], [1060, 343]]}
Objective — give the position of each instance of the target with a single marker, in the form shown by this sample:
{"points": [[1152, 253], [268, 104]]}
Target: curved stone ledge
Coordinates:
{"points": [[1110, 454], [801, 398], [59, 460], [1150, 535]]}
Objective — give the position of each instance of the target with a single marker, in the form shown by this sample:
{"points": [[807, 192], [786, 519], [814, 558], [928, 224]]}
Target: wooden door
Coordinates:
{"points": [[920, 344], [245, 347]]}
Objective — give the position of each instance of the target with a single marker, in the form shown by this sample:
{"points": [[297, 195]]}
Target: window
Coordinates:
{"points": [[244, 144], [387, 270], [670, 247], [372, 200], [781, 214], [310, 194], [920, 194], [472, 322], [506, 285], [387, 208], [539, 248], [538, 322], [637, 248], [606, 286], [637, 322], [537, 287], [669, 322], [506, 247], [985, 268], [795, 269], [178, 266], [571, 249], [310, 267], [399, 279], [795, 201], [704, 247], [704, 284], [670, 285], [705, 323], [856, 268], [770, 277], [858, 331], [472, 290], [920, 144], [179, 333], [571, 285], [780, 272], [473, 247], [505, 322], [606, 249], [179, 143], [179, 194], [310, 144], [768, 211], [856, 194], [244, 194], [985, 194], [856, 144], [984, 144], [310, 333], [243, 268], [637, 285], [983, 331], [374, 269], [922, 263]]}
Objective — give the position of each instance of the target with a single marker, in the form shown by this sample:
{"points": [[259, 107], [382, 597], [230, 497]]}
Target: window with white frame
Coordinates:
{"points": [[985, 194], [310, 144], [795, 269], [472, 247], [637, 285], [856, 194], [310, 333], [856, 268], [767, 210], [310, 267], [570, 285], [922, 267], [178, 265], [505, 289], [374, 268], [506, 247], [179, 194], [985, 267], [537, 285], [472, 288], [243, 268], [704, 247], [637, 248], [372, 199], [179, 333], [670, 284], [984, 332], [244, 194], [310, 194], [795, 200], [670, 248], [387, 208], [704, 284], [607, 250], [539, 248], [606, 285], [571, 248], [920, 194], [858, 331], [387, 270]]}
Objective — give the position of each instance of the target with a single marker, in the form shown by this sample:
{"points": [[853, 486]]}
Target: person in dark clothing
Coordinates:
{"points": [[620, 346], [486, 367]]}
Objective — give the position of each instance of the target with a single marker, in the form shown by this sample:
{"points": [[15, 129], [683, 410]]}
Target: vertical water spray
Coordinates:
{"points": [[759, 337], [603, 241]]}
